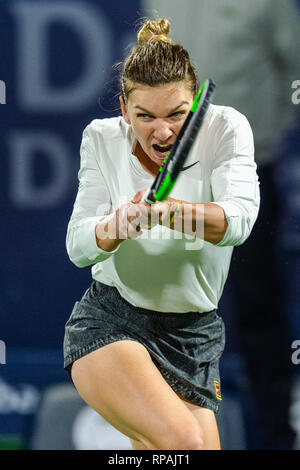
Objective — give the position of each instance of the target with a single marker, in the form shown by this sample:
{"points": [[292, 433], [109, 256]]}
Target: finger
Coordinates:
{"points": [[134, 231], [138, 196], [162, 211]]}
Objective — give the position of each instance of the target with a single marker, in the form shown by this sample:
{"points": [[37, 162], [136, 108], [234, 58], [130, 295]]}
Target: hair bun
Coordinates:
{"points": [[159, 27]]}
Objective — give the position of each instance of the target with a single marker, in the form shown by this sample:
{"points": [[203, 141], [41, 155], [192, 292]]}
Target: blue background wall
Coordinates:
{"points": [[53, 89], [56, 60]]}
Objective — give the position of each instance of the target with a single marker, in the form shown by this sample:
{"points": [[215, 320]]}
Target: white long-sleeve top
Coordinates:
{"points": [[165, 270]]}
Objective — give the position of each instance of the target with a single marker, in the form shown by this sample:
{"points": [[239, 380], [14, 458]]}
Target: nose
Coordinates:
{"points": [[162, 131]]}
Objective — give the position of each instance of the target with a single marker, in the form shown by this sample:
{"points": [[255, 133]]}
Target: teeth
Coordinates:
{"points": [[162, 147]]}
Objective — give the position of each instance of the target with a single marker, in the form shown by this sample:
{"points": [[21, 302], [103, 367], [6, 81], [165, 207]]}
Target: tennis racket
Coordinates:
{"points": [[174, 161]]}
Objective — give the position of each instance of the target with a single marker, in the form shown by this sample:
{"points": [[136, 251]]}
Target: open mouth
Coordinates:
{"points": [[161, 151]]}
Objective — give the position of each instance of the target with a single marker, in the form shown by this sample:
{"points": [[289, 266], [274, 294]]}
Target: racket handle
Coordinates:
{"points": [[149, 197]]}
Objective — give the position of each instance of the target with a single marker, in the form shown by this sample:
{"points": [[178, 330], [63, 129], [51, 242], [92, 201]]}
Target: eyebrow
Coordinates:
{"points": [[171, 112]]}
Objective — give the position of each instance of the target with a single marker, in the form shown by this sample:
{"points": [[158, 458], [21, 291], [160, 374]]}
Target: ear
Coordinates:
{"points": [[124, 110]]}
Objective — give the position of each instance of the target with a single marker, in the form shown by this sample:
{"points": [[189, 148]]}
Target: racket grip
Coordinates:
{"points": [[149, 197]]}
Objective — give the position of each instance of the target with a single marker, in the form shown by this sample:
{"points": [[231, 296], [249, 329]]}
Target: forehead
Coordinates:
{"points": [[161, 97]]}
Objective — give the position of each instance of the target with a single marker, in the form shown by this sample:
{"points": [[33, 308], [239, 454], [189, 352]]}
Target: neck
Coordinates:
{"points": [[145, 161]]}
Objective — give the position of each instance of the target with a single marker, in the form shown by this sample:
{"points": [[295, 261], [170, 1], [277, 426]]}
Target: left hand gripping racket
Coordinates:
{"points": [[174, 161]]}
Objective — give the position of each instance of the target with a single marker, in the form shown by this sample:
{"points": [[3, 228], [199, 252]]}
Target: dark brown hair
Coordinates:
{"points": [[158, 61]]}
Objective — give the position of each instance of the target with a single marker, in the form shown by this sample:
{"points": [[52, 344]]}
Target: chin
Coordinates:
{"points": [[157, 161]]}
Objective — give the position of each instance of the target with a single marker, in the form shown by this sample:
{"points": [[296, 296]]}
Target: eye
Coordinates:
{"points": [[144, 116], [178, 114]]}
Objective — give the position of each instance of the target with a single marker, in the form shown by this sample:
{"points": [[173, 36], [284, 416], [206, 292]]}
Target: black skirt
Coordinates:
{"points": [[185, 347]]}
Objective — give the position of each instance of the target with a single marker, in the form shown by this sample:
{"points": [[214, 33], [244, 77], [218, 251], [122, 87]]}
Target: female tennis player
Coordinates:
{"points": [[143, 344]]}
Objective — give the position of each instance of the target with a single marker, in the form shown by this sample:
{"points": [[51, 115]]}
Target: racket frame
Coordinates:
{"points": [[175, 159]]}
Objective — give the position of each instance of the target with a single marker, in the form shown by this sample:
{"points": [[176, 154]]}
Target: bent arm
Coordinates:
{"points": [[92, 205], [234, 182], [229, 218], [202, 220]]}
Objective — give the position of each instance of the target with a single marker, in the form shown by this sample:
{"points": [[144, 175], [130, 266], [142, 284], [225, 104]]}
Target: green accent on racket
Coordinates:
{"points": [[174, 160], [165, 188], [165, 160], [197, 98], [168, 183]]}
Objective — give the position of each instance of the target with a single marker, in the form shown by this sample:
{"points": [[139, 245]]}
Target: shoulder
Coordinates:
{"points": [[104, 131], [227, 126], [226, 116], [228, 134]]}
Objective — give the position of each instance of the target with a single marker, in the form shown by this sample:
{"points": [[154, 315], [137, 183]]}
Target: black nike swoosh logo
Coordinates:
{"points": [[190, 166]]}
